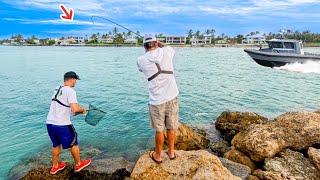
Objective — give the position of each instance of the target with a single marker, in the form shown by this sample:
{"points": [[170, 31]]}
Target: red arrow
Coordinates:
{"points": [[67, 15]]}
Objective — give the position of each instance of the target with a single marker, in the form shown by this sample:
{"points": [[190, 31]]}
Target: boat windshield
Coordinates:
{"points": [[288, 45], [275, 45]]}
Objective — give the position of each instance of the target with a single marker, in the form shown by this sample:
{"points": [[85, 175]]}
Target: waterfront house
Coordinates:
{"points": [[36, 41], [176, 40], [254, 39], [108, 39], [131, 40], [78, 40], [205, 39], [161, 39], [222, 41]]}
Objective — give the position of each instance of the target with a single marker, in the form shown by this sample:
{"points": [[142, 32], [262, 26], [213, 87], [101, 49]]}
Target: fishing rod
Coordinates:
{"points": [[115, 24]]}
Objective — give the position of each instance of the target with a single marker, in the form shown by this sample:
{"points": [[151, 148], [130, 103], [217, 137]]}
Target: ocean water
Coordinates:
{"points": [[210, 80]]}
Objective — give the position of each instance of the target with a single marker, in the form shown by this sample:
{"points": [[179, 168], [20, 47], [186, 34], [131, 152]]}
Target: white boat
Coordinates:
{"points": [[281, 52]]}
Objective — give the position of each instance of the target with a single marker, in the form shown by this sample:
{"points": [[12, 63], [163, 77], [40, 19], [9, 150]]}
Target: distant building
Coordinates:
{"points": [[108, 39], [161, 39], [176, 40], [254, 39], [222, 41], [131, 40], [206, 39], [79, 40], [66, 41], [36, 41]]}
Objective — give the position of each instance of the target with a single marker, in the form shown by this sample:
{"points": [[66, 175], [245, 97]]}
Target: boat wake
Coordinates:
{"points": [[307, 67]]}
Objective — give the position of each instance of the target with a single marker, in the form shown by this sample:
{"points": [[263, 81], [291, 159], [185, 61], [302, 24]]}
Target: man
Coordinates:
{"points": [[157, 66], [59, 126]]}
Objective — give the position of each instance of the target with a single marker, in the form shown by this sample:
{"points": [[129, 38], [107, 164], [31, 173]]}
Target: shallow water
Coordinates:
{"points": [[211, 80]]}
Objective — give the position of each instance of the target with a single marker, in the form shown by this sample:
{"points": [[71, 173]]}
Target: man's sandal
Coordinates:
{"points": [[171, 158], [152, 157]]}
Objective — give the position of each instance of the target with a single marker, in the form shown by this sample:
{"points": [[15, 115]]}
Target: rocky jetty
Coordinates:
{"points": [[247, 146]]}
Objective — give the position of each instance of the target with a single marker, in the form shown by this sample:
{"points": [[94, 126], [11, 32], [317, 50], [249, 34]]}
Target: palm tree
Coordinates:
{"points": [[115, 31], [208, 32], [222, 35], [197, 34], [190, 33]]}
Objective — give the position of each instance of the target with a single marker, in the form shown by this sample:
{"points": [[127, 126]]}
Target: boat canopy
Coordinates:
{"points": [[286, 45]]}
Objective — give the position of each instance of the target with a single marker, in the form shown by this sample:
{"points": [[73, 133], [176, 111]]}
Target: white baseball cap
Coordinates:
{"points": [[149, 38]]}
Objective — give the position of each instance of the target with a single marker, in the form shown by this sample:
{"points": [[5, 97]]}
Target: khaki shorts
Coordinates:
{"points": [[165, 115]]}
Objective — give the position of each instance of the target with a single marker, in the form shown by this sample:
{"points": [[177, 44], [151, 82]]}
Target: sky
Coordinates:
{"points": [[231, 17]]}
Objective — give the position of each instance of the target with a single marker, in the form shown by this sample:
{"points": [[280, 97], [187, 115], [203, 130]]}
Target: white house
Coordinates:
{"points": [[254, 39], [176, 40], [79, 40], [131, 40], [206, 39], [36, 41], [108, 39]]}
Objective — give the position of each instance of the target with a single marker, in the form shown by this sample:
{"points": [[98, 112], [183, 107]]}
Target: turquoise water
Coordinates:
{"points": [[210, 80]]}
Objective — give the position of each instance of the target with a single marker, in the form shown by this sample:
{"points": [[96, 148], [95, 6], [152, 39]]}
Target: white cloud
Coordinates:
{"points": [[153, 8]]}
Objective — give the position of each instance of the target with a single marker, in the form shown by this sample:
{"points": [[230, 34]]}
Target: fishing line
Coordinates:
{"points": [[115, 24]]}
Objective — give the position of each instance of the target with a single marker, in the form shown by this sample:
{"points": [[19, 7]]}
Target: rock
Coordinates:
{"points": [[265, 175], [113, 168], [297, 130], [239, 157], [252, 177], [41, 161], [318, 111], [314, 156], [188, 138], [231, 123], [292, 164], [236, 169], [198, 164], [219, 148]]}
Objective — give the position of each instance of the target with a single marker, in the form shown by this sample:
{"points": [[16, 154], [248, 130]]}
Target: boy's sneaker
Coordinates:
{"points": [[60, 167], [83, 164]]}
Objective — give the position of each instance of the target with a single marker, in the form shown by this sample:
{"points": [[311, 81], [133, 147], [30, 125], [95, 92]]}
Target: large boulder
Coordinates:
{"points": [[239, 157], [188, 138], [187, 165], [231, 123], [314, 156], [291, 165], [236, 169], [297, 130]]}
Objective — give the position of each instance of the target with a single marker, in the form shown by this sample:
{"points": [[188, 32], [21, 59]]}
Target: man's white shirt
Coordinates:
{"points": [[163, 88], [59, 114]]}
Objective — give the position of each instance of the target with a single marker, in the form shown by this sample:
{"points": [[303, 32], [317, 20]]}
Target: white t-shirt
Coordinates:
{"points": [[59, 114], [163, 88]]}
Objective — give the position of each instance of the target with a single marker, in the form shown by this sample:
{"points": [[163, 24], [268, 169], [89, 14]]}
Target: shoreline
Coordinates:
{"points": [[172, 45], [125, 45]]}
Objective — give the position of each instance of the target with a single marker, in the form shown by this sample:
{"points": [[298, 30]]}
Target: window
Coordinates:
{"points": [[289, 45], [275, 45]]}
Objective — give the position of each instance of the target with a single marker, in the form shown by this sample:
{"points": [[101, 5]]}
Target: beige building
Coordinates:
{"points": [[176, 40]]}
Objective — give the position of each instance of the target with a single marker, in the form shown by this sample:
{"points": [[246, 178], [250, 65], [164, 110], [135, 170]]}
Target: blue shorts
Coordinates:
{"points": [[62, 135]]}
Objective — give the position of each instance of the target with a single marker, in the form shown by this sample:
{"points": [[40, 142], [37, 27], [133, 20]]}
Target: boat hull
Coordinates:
{"points": [[270, 59]]}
